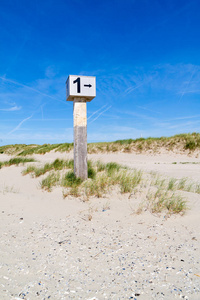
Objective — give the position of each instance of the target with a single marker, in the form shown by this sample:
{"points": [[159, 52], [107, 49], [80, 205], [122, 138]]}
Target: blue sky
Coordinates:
{"points": [[145, 56]]}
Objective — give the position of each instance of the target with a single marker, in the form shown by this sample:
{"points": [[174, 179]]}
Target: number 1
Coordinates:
{"points": [[78, 81]]}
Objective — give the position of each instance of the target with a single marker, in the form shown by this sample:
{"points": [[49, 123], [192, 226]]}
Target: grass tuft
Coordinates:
{"points": [[70, 180], [172, 184], [128, 181], [51, 180], [111, 168], [162, 200], [16, 161], [56, 165], [97, 187], [159, 194], [91, 173]]}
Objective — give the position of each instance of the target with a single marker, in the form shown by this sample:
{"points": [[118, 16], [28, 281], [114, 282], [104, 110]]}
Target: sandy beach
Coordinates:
{"points": [[56, 248]]}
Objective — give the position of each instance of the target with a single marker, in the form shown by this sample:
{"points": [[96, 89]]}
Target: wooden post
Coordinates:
{"points": [[80, 90], [80, 138]]}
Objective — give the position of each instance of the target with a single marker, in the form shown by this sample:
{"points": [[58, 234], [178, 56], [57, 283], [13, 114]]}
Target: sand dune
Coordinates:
{"points": [[55, 248]]}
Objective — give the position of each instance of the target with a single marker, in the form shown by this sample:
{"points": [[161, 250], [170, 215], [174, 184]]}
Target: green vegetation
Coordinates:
{"points": [[24, 150], [11, 149], [70, 180], [172, 184], [186, 163], [91, 172], [162, 200], [51, 180], [158, 194], [58, 164], [101, 177], [162, 195], [16, 161], [109, 175], [182, 142], [111, 168], [128, 181]]}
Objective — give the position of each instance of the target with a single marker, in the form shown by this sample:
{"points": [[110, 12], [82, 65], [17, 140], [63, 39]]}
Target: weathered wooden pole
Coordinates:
{"points": [[80, 90], [80, 138]]}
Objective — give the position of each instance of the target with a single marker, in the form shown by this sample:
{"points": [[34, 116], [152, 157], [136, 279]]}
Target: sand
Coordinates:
{"points": [[55, 248]]}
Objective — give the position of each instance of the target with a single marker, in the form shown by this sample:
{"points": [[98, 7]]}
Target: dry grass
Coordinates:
{"points": [[16, 161], [164, 200], [187, 142], [58, 164], [158, 194], [51, 180], [182, 142]]}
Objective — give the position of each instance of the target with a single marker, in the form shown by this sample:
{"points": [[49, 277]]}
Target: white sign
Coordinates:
{"points": [[81, 87]]}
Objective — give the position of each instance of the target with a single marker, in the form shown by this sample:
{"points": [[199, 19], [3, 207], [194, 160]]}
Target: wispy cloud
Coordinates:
{"points": [[140, 116], [185, 117], [30, 88], [19, 125], [100, 114], [187, 85], [96, 111], [145, 108], [132, 88], [14, 108]]}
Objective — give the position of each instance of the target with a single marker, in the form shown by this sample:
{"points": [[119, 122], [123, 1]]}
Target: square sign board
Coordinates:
{"points": [[81, 87]]}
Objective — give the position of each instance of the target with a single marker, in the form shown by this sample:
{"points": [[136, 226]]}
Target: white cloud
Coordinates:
{"points": [[19, 125], [101, 114], [14, 108]]}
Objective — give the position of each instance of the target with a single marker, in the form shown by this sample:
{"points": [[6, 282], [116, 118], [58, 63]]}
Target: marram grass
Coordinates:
{"points": [[58, 164], [162, 195], [16, 161], [183, 142]]}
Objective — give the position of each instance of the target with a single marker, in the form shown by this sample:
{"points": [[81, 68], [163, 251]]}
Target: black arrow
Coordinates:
{"points": [[88, 85]]}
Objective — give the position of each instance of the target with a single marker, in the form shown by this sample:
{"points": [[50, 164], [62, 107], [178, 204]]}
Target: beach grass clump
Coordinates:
{"points": [[175, 204], [100, 166], [172, 184], [66, 147], [159, 182], [126, 183], [91, 172], [112, 174], [182, 184], [163, 200], [129, 180], [197, 188], [51, 180], [16, 161], [100, 178], [58, 164], [28, 150], [159, 194], [98, 186], [30, 169], [73, 183], [12, 149], [70, 180], [112, 168], [38, 149], [37, 171]]}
